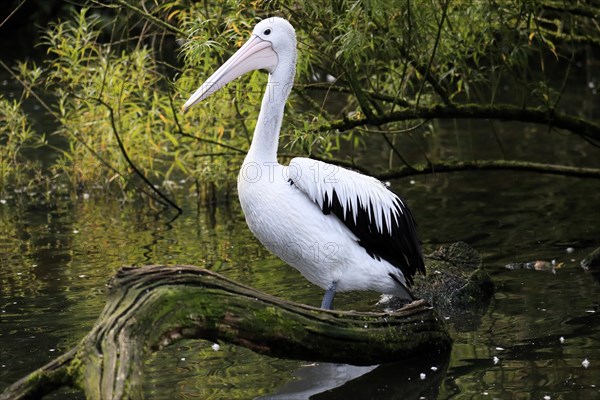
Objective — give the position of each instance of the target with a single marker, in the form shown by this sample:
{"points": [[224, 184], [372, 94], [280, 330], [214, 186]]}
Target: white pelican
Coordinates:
{"points": [[342, 230]]}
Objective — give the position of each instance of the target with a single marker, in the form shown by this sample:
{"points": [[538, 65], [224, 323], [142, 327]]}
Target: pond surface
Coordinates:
{"points": [[531, 342], [57, 259]]}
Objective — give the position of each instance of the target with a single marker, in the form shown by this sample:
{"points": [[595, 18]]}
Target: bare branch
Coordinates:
{"points": [[481, 165], [579, 126], [131, 164]]}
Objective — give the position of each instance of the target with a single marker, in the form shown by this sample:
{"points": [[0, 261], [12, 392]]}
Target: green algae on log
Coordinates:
{"points": [[152, 306]]}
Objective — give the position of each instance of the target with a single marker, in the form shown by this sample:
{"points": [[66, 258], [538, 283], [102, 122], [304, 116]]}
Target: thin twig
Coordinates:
{"points": [[435, 46], [396, 131], [150, 17], [212, 141], [12, 12], [181, 132], [131, 164], [396, 151], [242, 122]]}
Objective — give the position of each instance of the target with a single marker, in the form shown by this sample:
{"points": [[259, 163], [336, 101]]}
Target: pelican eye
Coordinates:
{"points": [[267, 32]]}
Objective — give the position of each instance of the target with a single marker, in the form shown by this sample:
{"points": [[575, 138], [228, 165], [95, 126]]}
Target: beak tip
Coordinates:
{"points": [[186, 106]]}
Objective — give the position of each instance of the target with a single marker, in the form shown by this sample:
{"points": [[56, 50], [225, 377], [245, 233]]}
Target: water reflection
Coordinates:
{"points": [[315, 378], [415, 378]]}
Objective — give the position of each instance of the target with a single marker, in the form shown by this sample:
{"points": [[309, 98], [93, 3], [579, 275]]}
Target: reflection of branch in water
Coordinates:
{"points": [[157, 235]]}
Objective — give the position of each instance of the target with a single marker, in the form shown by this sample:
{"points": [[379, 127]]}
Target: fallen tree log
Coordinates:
{"points": [[152, 306]]}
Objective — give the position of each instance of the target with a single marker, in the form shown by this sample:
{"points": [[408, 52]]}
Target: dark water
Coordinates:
{"points": [[531, 342], [56, 260]]}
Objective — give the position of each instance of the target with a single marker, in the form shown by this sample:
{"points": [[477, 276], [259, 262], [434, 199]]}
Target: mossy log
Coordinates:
{"points": [[152, 306]]}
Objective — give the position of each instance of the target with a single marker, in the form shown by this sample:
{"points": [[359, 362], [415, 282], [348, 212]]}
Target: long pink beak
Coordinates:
{"points": [[254, 54]]}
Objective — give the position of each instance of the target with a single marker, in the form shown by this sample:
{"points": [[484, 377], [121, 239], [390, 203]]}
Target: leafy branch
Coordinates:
{"points": [[145, 15], [576, 8], [420, 63]]}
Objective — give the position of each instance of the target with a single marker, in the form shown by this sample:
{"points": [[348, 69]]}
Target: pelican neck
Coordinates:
{"points": [[266, 134]]}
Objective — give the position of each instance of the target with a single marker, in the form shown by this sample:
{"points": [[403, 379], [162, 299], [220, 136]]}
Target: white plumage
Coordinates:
{"points": [[342, 230]]}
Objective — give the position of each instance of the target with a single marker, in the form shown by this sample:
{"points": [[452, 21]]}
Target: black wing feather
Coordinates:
{"points": [[402, 248]]}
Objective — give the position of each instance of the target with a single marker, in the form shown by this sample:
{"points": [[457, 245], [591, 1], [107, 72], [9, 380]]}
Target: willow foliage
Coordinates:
{"points": [[17, 137], [118, 74]]}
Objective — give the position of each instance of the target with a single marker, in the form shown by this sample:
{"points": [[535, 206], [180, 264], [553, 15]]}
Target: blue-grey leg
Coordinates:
{"points": [[327, 302]]}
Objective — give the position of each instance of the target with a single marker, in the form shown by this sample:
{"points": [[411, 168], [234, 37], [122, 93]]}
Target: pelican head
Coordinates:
{"points": [[271, 45]]}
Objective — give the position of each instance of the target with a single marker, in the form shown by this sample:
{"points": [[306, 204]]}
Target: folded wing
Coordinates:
{"points": [[379, 218]]}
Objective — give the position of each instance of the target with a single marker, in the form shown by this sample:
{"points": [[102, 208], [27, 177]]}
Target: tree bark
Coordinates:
{"points": [[580, 126], [150, 307], [434, 167], [498, 165]]}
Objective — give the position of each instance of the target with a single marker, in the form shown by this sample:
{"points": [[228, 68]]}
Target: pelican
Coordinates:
{"points": [[340, 229]]}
